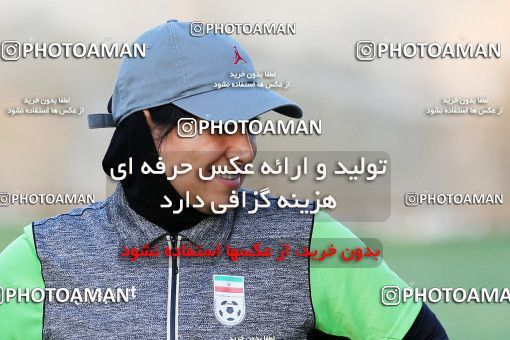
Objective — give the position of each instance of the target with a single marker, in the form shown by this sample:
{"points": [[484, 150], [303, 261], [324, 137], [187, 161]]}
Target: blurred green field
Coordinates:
{"points": [[461, 263]]}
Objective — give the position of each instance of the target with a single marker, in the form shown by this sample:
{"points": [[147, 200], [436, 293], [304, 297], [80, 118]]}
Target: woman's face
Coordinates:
{"points": [[203, 151]]}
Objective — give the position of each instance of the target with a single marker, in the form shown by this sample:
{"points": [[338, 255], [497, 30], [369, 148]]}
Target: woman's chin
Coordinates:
{"points": [[219, 201]]}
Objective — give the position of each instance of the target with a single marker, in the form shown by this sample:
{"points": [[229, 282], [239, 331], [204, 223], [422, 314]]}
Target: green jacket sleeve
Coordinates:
{"points": [[20, 268], [347, 300]]}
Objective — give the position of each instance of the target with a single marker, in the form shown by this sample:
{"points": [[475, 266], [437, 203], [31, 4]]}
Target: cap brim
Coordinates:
{"points": [[237, 104]]}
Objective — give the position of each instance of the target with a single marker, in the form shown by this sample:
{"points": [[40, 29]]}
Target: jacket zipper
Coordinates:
{"points": [[173, 290]]}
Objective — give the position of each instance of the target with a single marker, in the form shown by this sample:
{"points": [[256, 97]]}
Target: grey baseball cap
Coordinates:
{"points": [[185, 70]]}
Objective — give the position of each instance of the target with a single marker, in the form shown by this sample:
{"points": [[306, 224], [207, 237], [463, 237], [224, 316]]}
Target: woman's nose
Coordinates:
{"points": [[243, 146]]}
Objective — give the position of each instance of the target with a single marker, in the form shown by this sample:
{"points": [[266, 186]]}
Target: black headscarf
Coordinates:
{"points": [[144, 193]]}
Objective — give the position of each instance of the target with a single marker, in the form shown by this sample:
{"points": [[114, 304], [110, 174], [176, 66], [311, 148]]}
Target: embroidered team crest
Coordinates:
{"points": [[229, 306]]}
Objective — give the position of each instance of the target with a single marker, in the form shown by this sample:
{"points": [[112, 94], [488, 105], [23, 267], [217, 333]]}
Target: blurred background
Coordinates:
{"points": [[372, 106]]}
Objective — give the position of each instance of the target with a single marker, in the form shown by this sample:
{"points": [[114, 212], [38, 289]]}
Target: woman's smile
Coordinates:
{"points": [[230, 181]]}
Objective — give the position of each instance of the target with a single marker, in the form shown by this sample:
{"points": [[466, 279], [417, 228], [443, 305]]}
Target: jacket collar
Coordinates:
{"points": [[135, 231]]}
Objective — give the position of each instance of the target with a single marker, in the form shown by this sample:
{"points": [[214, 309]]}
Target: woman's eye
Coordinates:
{"points": [[230, 126]]}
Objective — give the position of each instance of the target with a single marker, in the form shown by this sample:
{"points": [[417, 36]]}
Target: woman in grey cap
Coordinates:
{"points": [[77, 259]]}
